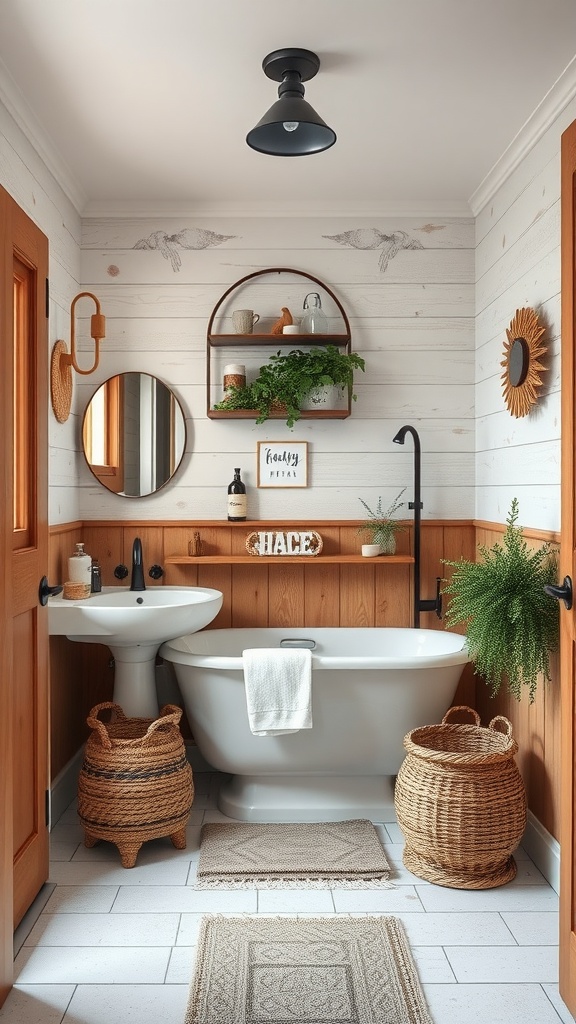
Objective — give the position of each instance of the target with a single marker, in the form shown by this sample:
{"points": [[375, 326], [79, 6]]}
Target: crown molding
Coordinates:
{"points": [[550, 107], [283, 208], [25, 119]]}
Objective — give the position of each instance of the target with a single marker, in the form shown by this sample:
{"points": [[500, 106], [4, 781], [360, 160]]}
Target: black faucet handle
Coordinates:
{"points": [[120, 572], [156, 572], [438, 597]]}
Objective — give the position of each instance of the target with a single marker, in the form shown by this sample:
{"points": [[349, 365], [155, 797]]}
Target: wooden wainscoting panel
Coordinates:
{"points": [[431, 567], [250, 595], [321, 593], [552, 744], [63, 540], [357, 594], [219, 577], [351, 541], [321, 596], [393, 605], [176, 540], [286, 595], [105, 543]]}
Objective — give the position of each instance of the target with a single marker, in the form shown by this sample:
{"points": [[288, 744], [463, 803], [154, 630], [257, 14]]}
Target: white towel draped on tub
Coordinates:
{"points": [[278, 685]]}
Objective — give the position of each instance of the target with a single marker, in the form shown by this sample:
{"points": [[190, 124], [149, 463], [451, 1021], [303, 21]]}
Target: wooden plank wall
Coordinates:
{"points": [[518, 265], [258, 595], [411, 318]]}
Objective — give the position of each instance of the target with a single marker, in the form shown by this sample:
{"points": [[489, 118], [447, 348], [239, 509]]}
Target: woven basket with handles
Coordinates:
{"points": [[135, 783], [461, 803]]}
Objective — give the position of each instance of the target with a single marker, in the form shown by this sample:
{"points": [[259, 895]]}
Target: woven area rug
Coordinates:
{"points": [[342, 854], [271, 970]]}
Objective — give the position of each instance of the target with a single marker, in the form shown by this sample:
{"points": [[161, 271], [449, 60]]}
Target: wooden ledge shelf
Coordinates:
{"points": [[251, 414], [287, 559], [282, 340]]}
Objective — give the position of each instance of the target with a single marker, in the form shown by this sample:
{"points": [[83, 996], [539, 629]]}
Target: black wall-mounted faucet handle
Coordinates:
{"points": [[120, 572], [562, 592]]}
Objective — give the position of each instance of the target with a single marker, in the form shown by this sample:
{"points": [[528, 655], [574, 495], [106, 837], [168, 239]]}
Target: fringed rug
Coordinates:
{"points": [[320, 855], [270, 970]]}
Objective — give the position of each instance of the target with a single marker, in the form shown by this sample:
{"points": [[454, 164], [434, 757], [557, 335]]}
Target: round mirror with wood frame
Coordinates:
{"points": [[522, 367], [133, 434]]}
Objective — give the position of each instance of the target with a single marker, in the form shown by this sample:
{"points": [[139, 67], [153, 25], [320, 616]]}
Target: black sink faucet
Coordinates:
{"points": [[137, 580]]}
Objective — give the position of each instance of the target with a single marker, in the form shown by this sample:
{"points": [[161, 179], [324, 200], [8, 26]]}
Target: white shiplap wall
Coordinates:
{"points": [[24, 175], [518, 264], [413, 322]]}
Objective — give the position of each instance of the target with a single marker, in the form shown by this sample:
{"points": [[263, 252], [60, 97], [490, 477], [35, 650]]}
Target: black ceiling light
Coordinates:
{"points": [[291, 127]]}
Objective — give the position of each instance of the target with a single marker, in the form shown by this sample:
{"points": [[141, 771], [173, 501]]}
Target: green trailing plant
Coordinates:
{"points": [[512, 625], [288, 378], [380, 526]]}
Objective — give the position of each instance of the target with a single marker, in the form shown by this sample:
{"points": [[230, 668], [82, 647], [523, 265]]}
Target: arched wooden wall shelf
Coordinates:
{"points": [[235, 342]]}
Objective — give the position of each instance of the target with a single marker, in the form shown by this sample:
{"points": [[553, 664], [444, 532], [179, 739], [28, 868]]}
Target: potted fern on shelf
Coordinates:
{"points": [[512, 625], [381, 527], [288, 379]]}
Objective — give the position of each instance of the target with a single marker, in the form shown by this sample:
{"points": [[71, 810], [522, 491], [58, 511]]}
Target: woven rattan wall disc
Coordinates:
{"points": [[60, 383]]}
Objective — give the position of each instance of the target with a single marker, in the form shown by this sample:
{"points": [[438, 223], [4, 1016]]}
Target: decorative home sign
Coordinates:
{"points": [[284, 542], [522, 351], [282, 464]]}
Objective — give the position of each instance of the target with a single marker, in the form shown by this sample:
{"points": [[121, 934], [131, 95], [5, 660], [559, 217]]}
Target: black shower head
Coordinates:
{"points": [[399, 438]]}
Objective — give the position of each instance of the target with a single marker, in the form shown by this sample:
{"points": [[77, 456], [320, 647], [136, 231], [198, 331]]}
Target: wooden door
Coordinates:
{"points": [[568, 568], [24, 546]]}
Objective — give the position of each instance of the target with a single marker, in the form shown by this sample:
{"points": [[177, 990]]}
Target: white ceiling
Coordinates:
{"points": [[145, 104]]}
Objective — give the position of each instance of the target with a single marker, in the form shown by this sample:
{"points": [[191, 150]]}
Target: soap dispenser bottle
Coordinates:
{"points": [[80, 566], [314, 320]]}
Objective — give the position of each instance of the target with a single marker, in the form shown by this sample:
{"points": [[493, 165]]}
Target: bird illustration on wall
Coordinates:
{"points": [[188, 238], [371, 238]]}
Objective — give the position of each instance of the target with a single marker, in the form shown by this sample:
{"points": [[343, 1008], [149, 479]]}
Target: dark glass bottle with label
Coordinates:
{"points": [[237, 501]]}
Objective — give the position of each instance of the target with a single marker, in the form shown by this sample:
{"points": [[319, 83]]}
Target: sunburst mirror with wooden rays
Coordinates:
{"points": [[522, 367]]}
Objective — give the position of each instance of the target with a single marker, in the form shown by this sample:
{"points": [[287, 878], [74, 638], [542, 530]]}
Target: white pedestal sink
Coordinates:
{"points": [[133, 624]]}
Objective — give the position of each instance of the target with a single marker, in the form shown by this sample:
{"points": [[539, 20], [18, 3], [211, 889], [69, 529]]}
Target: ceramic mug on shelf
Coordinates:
{"points": [[244, 320]]}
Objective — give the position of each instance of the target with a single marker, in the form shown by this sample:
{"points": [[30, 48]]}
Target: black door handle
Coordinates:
{"points": [[45, 591], [562, 592]]}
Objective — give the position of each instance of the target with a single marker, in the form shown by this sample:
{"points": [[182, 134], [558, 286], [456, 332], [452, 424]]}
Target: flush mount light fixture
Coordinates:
{"points": [[63, 361], [291, 127]]}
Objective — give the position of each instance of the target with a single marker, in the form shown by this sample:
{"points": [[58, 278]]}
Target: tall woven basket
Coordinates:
{"points": [[135, 783], [461, 803]]}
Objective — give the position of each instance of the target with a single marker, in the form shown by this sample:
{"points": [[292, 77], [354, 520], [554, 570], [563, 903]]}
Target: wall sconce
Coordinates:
{"points": [[291, 127], [63, 361]]}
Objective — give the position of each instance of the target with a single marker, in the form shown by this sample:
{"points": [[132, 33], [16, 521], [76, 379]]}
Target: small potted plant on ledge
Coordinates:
{"points": [[381, 527], [287, 380], [512, 625]]}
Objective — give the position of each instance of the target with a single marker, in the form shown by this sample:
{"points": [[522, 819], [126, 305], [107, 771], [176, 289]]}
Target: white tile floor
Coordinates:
{"points": [[117, 947]]}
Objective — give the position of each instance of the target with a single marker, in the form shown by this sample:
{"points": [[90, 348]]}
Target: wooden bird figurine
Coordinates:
{"points": [[284, 320]]}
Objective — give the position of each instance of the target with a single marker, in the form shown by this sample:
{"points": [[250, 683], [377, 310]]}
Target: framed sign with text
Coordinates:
{"points": [[282, 464]]}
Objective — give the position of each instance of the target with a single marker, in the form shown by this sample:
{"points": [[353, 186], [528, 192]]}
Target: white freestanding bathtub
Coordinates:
{"points": [[370, 687]]}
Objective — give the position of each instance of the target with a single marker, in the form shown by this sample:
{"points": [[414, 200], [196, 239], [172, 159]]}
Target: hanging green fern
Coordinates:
{"points": [[511, 623]]}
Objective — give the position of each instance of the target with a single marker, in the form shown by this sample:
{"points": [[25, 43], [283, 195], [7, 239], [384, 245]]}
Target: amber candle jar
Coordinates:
{"points": [[234, 375]]}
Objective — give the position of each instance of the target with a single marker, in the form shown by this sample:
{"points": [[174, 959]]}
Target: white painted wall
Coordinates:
{"points": [[411, 319], [517, 265], [24, 175]]}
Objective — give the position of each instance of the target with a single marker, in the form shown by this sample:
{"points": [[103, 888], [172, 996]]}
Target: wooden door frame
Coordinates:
{"points": [[6, 755], [22, 872], [567, 568]]}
